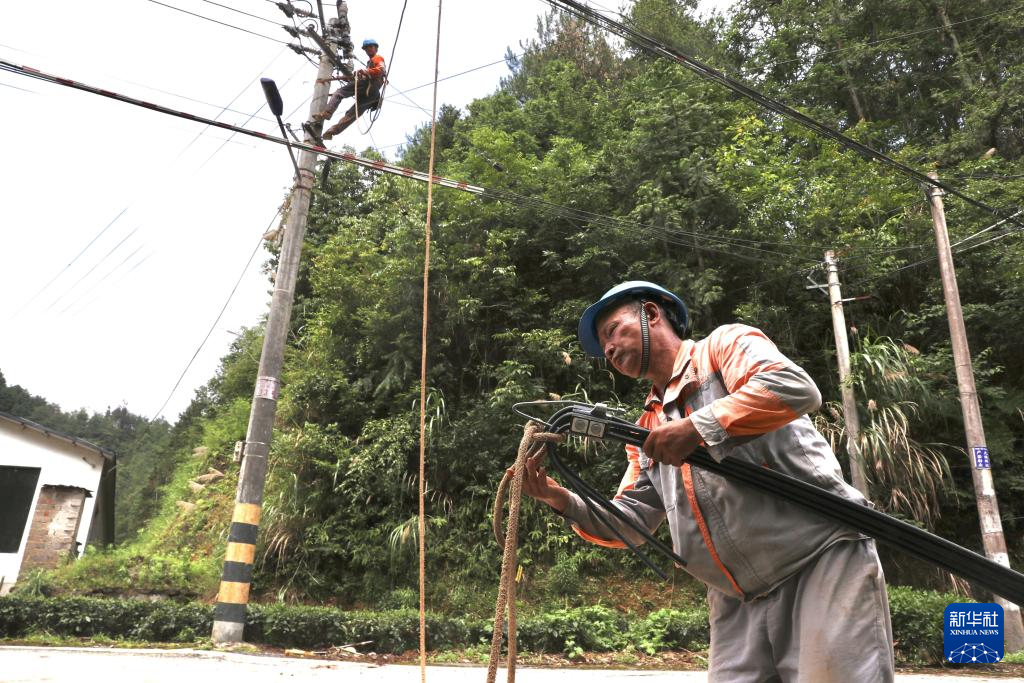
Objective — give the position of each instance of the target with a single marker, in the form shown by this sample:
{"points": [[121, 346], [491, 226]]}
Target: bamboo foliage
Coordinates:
{"points": [[907, 476]]}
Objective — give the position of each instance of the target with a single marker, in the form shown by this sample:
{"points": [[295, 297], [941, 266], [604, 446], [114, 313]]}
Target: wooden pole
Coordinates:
{"points": [[992, 539], [858, 474], [233, 598]]}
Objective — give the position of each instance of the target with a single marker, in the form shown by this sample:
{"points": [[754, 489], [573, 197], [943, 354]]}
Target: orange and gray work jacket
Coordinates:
{"points": [[747, 401], [375, 70]]}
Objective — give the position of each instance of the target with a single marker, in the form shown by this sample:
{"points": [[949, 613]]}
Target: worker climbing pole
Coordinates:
{"points": [[365, 86]]}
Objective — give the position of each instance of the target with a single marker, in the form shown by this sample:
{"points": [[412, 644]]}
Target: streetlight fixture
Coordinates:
{"points": [[276, 104]]}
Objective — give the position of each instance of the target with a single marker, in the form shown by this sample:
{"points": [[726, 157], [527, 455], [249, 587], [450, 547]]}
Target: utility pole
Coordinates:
{"points": [[236, 579], [857, 471], [992, 538]]}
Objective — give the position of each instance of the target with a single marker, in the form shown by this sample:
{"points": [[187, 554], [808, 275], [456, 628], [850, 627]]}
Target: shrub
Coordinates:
{"points": [[87, 617], [917, 623], [671, 629], [573, 631]]}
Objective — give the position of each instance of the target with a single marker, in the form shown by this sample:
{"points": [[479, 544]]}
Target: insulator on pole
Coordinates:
{"points": [[299, 49]]}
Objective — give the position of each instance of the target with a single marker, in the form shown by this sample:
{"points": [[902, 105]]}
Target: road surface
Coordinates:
{"points": [[77, 665]]}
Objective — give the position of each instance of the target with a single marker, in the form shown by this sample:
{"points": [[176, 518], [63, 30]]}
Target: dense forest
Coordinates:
{"points": [[615, 166]]}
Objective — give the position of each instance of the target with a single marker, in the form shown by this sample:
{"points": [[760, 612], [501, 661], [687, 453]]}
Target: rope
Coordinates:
{"points": [[423, 365], [533, 444]]}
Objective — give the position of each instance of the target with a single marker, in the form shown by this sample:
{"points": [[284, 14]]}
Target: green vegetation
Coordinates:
{"points": [[571, 632], [728, 205]]}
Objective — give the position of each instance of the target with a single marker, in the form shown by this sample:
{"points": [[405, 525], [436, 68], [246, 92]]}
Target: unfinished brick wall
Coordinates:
{"points": [[54, 526]]}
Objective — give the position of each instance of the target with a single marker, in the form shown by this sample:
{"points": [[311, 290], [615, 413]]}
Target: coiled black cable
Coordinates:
{"points": [[580, 419]]}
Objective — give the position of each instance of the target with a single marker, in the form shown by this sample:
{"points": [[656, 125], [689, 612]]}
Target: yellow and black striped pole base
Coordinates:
{"points": [[229, 615]]}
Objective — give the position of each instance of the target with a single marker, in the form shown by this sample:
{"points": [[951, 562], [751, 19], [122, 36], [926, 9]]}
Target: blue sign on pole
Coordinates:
{"points": [[981, 460], [974, 632]]}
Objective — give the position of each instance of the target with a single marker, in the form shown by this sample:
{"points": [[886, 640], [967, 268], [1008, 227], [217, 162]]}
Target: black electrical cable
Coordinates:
{"points": [[657, 48], [234, 9], [222, 23], [595, 501], [375, 114], [990, 575]]}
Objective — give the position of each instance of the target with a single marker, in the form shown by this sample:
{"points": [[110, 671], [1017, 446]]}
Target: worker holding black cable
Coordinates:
{"points": [[791, 595]]}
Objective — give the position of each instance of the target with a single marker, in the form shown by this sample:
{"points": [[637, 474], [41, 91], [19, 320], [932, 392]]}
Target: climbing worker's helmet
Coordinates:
{"points": [[638, 290], [370, 41]]}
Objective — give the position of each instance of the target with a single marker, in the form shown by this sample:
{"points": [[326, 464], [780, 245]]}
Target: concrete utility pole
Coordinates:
{"points": [[857, 472], [981, 466], [229, 615]]}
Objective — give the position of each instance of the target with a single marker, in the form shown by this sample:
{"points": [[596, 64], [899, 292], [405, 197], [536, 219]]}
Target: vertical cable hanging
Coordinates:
{"points": [[423, 362]]}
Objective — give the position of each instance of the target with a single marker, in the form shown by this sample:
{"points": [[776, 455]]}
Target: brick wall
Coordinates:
{"points": [[54, 526]]}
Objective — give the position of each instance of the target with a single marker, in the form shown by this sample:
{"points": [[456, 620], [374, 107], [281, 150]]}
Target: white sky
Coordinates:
{"points": [[122, 322]]}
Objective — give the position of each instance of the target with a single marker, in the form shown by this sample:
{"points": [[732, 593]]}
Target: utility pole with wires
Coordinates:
{"points": [[992, 539], [858, 473], [236, 579]]}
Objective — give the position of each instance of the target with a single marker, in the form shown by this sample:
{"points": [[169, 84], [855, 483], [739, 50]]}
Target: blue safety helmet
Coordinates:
{"points": [[370, 41], [634, 289]]}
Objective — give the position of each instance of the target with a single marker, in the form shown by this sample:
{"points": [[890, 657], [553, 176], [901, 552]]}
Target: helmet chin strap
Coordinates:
{"points": [[645, 336]]}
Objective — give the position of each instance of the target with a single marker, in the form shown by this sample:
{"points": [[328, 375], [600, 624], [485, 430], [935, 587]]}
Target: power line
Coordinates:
{"points": [[896, 37], [216, 320], [233, 9], [929, 259], [251, 117], [103, 279], [382, 166], [463, 73], [654, 47], [169, 92], [69, 263], [216, 21], [6, 85], [184, 149], [89, 272], [668, 234], [116, 282]]}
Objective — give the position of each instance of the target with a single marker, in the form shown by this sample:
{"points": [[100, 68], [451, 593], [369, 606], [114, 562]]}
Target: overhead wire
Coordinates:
{"points": [[671, 235], [103, 279], [375, 114], [250, 118], [216, 320], [69, 263], [955, 248], [235, 9], [887, 39], [653, 46], [217, 21], [375, 165], [90, 271], [122, 212], [115, 283], [14, 87]]}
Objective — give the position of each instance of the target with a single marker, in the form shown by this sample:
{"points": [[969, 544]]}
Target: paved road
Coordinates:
{"points": [[78, 665]]}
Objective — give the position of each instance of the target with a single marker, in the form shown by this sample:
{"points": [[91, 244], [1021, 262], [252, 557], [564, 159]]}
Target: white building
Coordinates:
{"points": [[56, 495]]}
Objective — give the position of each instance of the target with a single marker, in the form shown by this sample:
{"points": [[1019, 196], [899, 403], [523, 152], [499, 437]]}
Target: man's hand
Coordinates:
{"points": [[672, 442], [539, 486]]}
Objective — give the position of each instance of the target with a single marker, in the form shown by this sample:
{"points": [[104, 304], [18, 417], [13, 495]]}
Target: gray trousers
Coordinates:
{"points": [[827, 624], [369, 96]]}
